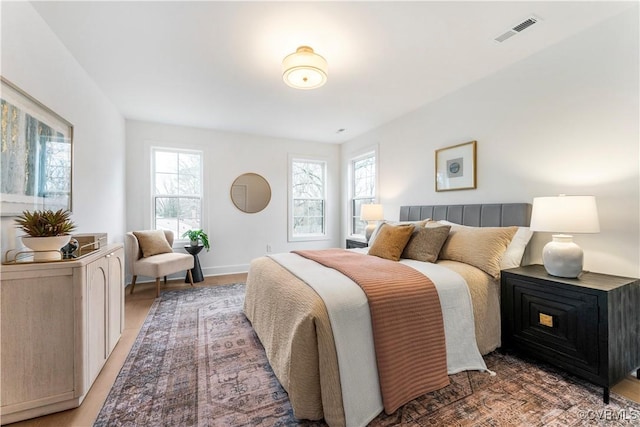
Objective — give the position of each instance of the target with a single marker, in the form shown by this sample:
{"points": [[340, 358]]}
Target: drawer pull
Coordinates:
{"points": [[545, 320]]}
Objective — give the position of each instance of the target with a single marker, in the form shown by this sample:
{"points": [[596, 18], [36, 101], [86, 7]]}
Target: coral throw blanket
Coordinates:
{"points": [[406, 317]]}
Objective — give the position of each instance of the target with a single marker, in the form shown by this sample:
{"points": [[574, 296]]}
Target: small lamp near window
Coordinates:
{"points": [[372, 213], [564, 214]]}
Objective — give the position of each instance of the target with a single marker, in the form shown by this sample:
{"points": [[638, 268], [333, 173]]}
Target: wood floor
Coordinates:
{"points": [[136, 310]]}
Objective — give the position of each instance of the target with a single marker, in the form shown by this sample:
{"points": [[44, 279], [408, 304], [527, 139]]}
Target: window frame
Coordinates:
{"points": [[178, 239], [370, 152], [291, 236]]}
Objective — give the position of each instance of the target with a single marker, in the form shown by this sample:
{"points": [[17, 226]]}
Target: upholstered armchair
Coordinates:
{"points": [[150, 253]]}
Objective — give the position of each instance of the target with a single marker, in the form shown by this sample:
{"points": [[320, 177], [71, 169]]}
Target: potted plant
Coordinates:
{"points": [[197, 235], [47, 232]]}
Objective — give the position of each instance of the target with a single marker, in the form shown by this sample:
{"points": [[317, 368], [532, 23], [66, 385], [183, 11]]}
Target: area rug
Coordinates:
{"points": [[197, 362]]}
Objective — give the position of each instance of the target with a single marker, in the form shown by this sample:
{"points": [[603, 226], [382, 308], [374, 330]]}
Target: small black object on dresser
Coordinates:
{"points": [[589, 326], [353, 243]]}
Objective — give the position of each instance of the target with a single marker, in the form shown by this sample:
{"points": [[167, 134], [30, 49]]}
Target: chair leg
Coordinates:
{"points": [[190, 277], [165, 280], [133, 283], [157, 287]]}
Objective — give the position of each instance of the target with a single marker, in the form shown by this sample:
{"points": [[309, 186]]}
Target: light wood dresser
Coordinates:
{"points": [[59, 323]]}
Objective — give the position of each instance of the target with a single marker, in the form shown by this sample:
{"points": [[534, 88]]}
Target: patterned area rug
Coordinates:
{"points": [[197, 362]]}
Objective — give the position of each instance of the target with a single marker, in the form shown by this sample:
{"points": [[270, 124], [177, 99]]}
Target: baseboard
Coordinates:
{"points": [[227, 269], [209, 271]]}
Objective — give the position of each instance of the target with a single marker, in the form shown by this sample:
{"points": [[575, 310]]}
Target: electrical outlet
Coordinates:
{"points": [[268, 249]]}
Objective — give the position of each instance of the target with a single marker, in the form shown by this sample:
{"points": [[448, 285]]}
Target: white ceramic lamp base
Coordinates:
{"points": [[562, 257], [368, 231]]}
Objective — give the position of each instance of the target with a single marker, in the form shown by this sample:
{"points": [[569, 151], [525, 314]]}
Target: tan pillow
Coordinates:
{"points": [[416, 224], [425, 242], [152, 242], [391, 240], [481, 247]]}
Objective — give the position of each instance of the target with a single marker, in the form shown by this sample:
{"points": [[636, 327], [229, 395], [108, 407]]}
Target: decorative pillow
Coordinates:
{"points": [[417, 224], [512, 257], [152, 242], [481, 247], [391, 241], [425, 242]]}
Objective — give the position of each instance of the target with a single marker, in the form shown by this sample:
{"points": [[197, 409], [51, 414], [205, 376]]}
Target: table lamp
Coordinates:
{"points": [[564, 214], [372, 213]]}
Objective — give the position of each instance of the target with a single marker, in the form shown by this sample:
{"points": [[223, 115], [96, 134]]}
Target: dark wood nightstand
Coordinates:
{"points": [[588, 326], [353, 243]]}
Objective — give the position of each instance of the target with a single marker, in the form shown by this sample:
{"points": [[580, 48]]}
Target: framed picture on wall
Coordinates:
{"points": [[35, 155], [456, 167]]}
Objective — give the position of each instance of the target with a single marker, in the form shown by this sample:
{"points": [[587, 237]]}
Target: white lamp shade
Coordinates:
{"points": [[304, 69], [371, 212], [565, 214]]}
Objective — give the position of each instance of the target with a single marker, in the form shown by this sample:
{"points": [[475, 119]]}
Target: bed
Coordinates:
{"points": [[314, 321]]}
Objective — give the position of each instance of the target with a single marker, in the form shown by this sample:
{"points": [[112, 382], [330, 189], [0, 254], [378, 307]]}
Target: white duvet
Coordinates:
{"points": [[351, 324]]}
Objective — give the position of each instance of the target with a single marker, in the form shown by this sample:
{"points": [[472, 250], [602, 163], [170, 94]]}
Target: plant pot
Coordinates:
{"points": [[46, 248], [194, 243]]}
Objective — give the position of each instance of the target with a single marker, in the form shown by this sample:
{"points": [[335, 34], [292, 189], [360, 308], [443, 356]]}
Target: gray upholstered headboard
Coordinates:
{"points": [[480, 215]]}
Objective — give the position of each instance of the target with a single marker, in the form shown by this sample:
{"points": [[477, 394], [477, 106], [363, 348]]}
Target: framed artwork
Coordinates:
{"points": [[456, 167], [35, 154]]}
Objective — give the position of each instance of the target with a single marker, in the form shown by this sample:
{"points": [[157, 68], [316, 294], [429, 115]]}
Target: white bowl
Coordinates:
{"points": [[46, 248]]}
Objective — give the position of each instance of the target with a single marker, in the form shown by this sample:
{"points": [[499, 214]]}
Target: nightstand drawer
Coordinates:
{"points": [[558, 323]]}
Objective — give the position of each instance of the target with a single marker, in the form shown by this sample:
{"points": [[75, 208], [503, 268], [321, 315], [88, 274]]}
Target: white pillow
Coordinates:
{"points": [[512, 257]]}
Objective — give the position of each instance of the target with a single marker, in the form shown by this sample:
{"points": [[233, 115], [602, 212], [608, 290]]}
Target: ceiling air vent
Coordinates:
{"points": [[517, 28]]}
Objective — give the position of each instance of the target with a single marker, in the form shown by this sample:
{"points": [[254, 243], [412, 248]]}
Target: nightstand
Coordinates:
{"points": [[589, 326], [353, 243]]}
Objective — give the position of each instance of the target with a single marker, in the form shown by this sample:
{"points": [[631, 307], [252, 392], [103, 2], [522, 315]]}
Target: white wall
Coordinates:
{"points": [[35, 60], [562, 121], [236, 237]]}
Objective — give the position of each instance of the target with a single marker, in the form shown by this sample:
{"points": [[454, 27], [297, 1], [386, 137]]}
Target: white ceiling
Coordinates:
{"points": [[218, 64]]}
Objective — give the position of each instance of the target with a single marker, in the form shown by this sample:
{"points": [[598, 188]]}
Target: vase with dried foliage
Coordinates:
{"points": [[47, 231]]}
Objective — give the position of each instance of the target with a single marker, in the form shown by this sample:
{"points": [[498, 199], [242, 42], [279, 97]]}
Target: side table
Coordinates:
{"points": [[353, 243], [588, 326], [196, 271]]}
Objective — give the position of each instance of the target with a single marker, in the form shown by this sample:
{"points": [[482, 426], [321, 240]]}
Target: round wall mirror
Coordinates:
{"points": [[250, 193]]}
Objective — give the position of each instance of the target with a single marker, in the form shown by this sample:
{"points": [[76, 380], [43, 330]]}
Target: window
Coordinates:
{"points": [[177, 190], [307, 203], [363, 188]]}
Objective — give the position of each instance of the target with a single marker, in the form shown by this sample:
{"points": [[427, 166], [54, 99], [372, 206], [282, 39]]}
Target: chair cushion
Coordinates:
{"points": [[163, 264], [152, 242]]}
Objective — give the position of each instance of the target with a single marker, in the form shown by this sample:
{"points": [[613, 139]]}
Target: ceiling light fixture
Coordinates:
{"points": [[304, 69]]}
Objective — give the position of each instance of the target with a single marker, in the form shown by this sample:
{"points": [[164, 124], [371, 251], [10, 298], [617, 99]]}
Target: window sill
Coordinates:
{"points": [[308, 238]]}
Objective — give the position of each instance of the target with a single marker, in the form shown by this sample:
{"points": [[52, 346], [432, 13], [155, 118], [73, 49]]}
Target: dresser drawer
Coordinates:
{"points": [[559, 324]]}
